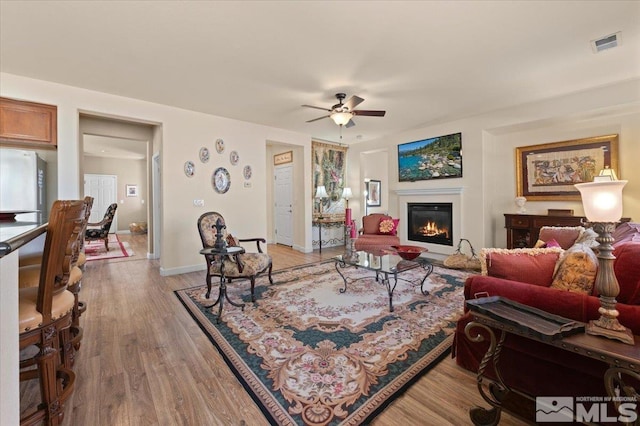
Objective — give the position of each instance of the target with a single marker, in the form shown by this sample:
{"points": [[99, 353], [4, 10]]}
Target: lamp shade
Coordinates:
{"points": [[346, 193], [341, 118], [602, 201], [321, 192]]}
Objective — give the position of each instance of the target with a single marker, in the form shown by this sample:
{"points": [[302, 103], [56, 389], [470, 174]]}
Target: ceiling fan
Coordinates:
{"points": [[342, 113]]}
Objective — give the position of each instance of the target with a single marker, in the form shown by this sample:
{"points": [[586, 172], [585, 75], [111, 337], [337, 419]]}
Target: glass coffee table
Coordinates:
{"points": [[387, 267]]}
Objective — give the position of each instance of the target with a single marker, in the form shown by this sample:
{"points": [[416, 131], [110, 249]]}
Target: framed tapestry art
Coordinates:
{"points": [[549, 171], [328, 165]]}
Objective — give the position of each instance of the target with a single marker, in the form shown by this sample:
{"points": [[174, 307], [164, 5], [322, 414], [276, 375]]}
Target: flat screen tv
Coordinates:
{"points": [[434, 158]]}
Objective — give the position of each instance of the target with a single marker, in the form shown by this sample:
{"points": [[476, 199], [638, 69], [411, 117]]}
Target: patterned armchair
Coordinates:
{"points": [[102, 230], [245, 266]]}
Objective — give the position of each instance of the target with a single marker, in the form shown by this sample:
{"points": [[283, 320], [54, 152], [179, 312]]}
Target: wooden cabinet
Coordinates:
{"points": [[523, 229], [28, 124]]}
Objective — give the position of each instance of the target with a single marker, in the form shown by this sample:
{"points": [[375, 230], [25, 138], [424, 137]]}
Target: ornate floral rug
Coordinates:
{"points": [[310, 355]]}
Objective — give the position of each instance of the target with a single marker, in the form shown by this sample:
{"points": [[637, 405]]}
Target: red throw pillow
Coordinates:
{"points": [[533, 266], [388, 226]]}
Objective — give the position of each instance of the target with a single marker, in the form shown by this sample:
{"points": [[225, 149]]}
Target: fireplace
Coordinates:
{"points": [[430, 223]]}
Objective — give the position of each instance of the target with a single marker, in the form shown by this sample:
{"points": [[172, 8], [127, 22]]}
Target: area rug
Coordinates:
{"points": [[310, 355], [95, 250]]}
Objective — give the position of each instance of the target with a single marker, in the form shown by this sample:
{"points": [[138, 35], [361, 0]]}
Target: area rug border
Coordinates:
{"points": [[254, 387]]}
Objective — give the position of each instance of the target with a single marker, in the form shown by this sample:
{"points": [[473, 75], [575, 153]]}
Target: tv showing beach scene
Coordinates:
{"points": [[434, 158]]}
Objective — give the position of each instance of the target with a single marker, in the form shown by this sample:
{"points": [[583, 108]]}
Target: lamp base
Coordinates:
{"points": [[619, 332]]}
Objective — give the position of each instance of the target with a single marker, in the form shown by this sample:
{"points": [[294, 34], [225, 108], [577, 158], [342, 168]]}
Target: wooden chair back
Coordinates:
{"points": [[61, 244]]}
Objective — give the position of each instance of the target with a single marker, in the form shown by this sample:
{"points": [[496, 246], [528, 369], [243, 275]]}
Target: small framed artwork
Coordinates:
{"points": [[550, 171], [283, 158], [132, 190], [373, 193]]}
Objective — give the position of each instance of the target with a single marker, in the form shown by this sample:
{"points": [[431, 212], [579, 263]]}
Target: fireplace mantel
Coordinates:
{"points": [[430, 191]]}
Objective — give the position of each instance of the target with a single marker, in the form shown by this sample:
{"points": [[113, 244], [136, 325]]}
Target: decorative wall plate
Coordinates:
{"points": [[234, 158], [204, 154], [219, 146], [189, 168], [221, 180], [247, 172]]}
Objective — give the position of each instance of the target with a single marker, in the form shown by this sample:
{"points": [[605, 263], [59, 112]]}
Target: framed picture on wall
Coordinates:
{"points": [[131, 190], [550, 171], [373, 193]]}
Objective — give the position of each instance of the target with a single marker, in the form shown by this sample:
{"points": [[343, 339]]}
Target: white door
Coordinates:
{"points": [[103, 190], [284, 205]]}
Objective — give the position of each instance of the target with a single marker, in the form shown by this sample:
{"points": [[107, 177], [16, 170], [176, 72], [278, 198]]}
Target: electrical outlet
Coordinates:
{"points": [[198, 203]]}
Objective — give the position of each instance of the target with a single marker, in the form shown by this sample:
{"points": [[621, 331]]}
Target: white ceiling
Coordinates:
{"points": [[423, 62]]}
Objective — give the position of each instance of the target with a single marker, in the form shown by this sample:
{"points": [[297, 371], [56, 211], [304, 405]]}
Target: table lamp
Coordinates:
{"points": [[321, 193], [602, 202]]}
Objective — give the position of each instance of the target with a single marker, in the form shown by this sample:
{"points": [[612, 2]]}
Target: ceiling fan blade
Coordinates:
{"points": [[353, 102], [311, 106], [350, 124], [371, 113], [319, 118]]}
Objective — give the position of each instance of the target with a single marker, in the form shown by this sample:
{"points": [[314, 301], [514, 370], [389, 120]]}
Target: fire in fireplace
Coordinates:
{"points": [[430, 223]]}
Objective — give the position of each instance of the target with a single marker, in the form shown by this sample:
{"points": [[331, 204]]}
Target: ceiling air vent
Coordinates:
{"points": [[607, 42]]}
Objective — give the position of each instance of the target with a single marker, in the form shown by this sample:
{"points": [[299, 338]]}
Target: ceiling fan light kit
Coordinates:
{"points": [[342, 113], [341, 118]]}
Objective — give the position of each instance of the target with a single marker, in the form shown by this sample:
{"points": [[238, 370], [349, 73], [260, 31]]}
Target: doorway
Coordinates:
{"points": [[284, 204]]}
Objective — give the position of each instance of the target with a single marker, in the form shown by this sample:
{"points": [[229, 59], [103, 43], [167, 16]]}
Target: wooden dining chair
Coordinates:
{"points": [[100, 230]]}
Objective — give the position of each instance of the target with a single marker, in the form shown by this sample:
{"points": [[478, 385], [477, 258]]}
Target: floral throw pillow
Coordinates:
{"points": [[576, 270], [388, 226]]}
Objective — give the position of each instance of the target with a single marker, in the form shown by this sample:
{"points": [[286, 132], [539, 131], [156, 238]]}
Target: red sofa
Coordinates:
{"points": [[542, 370]]}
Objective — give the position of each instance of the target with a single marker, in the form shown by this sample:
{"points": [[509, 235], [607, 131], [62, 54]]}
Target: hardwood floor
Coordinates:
{"points": [[144, 361]]}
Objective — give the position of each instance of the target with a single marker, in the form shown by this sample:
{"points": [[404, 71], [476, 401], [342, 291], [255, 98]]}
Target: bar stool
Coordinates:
{"points": [[45, 315], [29, 276]]}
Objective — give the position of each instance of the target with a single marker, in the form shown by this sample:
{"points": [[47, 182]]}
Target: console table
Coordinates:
{"points": [[498, 315], [327, 221], [523, 229]]}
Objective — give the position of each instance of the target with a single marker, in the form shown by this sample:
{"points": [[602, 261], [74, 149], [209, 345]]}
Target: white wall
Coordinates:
{"points": [[184, 133], [488, 150]]}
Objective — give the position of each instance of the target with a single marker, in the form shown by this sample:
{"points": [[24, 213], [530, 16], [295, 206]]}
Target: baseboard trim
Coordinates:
{"points": [[165, 272]]}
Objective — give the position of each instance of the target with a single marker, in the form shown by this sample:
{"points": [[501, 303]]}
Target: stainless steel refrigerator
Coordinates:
{"points": [[23, 184]]}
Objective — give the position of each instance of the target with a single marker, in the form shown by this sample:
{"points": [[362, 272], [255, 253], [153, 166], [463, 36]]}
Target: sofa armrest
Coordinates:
{"points": [[575, 306]]}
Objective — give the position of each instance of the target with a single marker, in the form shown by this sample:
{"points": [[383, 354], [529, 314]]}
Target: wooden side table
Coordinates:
{"points": [[220, 255], [511, 317]]}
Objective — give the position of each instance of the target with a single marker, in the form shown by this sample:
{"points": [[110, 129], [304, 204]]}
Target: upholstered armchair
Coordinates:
{"points": [[100, 230], [241, 266], [371, 238]]}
